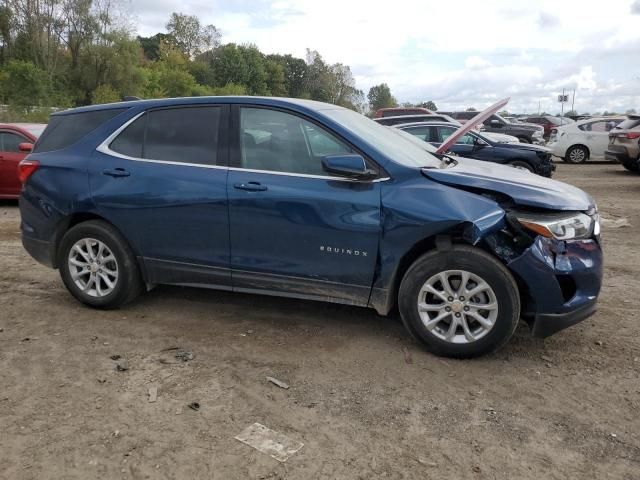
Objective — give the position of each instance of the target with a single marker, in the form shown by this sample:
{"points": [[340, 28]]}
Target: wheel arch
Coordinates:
{"points": [[76, 218]]}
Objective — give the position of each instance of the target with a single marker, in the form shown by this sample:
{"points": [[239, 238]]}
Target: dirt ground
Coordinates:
{"points": [[565, 407]]}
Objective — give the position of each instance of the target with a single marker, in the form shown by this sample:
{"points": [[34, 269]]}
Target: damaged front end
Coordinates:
{"points": [[559, 278]]}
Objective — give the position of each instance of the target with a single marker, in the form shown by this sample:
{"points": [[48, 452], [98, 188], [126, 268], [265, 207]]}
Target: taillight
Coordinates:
{"points": [[26, 169], [629, 135]]}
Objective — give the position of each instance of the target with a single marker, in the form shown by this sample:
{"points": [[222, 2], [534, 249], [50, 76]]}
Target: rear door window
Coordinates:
{"points": [[65, 130], [184, 135]]}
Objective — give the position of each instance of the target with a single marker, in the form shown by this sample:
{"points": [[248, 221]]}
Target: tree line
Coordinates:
{"points": [[66, 53]]}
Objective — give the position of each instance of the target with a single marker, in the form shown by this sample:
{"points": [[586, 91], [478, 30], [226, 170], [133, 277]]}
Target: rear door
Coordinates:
{"points": [[10, 156], [597, 137], [294, 228], [161, 179]]}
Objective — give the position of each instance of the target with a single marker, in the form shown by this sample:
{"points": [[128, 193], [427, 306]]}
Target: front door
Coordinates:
{"points": [[10, 156], [162, 182], [294, 228]]}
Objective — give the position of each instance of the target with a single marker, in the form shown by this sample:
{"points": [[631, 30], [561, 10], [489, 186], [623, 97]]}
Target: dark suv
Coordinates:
{"points": [[497, 124], [307, 200]]}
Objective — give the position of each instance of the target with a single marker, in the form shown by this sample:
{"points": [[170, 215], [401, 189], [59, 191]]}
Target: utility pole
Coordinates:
{"points": [[573, 100], [562, 108], [538, 107]]}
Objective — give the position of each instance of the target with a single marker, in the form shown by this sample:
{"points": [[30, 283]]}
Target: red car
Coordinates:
{"points": [[16, 141]]}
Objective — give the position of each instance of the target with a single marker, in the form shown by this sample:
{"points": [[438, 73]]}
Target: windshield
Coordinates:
{"points": [[388, 141]]}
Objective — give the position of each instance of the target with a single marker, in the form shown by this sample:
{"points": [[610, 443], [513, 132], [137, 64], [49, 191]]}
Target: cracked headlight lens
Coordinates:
{"points": [[560, 226]]}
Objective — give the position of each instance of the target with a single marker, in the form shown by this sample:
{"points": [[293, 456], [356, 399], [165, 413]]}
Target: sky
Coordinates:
{"points": [[458, 53]]}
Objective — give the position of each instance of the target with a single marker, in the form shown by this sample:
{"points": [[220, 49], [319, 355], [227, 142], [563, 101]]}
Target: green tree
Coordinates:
{"points": [[295, 74], [471, 109], [430, 105], [191, 37], [380, 97], [104, 94], [275, 78], [24, 84]]}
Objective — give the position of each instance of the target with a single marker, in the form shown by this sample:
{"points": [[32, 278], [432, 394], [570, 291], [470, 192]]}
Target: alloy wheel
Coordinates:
{"points": [[93, 267], [457, 306]]}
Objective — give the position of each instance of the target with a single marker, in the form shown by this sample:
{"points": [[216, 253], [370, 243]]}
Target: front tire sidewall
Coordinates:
{"points": [[474, 261], [571, 150], [128, 283]]}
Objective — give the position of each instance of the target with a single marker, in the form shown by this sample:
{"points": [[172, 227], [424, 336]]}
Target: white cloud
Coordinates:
{"points": [[467, 52]]}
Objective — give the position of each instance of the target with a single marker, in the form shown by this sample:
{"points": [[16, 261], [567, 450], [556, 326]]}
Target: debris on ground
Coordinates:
{"points": [[184, 355], [546, 359], [407, 355], [153, 394], [1, 329], [278, 383], [122, 365], [115, 357], [598, 342], [269, 442], [195, 406]]}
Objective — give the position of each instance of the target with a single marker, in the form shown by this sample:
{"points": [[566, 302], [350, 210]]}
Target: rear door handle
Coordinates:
{"points": [[116, 172], [250, 187]]}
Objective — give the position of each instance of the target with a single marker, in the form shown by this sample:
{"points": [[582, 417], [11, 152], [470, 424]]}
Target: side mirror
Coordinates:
{"points": [[347, 166], [478, 142], [25, 147], [496, 123]]}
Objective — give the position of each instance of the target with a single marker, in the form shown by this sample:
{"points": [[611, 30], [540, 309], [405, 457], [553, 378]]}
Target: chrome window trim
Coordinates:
{"points": [[104, 148]]}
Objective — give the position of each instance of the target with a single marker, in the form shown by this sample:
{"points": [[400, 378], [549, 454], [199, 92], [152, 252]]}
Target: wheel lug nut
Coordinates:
{"points": [[466, 309], [450, 299], [448, 309], [462, 299], [457, 314]]}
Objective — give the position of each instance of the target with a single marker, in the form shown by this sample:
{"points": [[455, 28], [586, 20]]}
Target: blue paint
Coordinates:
{"points": [[335, 239]]}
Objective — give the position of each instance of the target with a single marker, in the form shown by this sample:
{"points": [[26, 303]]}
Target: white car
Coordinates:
{"points": [[583, 140]]}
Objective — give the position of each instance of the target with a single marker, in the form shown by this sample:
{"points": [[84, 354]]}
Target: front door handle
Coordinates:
{"points": [[250, 186], [116, 172]]}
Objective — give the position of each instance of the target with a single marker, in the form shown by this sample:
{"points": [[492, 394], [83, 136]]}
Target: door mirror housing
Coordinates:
{"points": [[351, 165], [496, 123], [25, 147], [478, 142]]}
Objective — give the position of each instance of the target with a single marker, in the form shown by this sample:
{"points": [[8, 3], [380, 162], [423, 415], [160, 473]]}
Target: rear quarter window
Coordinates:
{"points": [[65, 130]]}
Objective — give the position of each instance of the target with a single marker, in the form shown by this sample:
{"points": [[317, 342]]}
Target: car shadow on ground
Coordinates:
{"points": [[230, 310]]}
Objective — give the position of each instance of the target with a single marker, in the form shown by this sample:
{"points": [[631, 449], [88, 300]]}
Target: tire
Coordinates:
{"points": [[632, 167], [480, 266], [577, 154], [521, 164], [524, 140], [90, 261]]}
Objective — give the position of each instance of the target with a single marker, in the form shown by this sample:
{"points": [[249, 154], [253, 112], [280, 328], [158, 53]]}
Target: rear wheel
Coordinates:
{"points": [[97, 265], [577, 154], [460, 302], [521, 164], [631, 166]]}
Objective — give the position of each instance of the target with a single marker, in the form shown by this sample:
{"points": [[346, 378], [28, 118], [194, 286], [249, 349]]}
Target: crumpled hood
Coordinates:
{"points": [[524, 187]]}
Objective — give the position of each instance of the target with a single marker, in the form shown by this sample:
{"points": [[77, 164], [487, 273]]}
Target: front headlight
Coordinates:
{"points": [[561, 227]]}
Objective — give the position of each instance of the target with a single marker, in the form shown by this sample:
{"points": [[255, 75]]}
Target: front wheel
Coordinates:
{"points": [[460, 302], [97, 265], [631, 166]]}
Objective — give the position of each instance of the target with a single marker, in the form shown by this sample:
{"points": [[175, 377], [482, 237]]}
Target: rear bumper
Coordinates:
{"points": [[619, 156], [40, 250]]}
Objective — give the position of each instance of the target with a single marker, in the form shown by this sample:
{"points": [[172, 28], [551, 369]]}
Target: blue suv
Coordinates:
{"points": [[307, 200]]}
